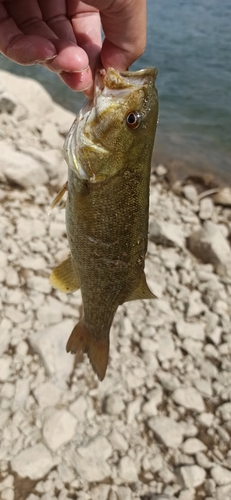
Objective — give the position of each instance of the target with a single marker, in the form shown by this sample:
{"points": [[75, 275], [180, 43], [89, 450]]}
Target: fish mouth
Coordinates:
{"points": [[111, 82]]}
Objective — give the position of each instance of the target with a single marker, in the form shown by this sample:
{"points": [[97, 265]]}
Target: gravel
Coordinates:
{"points": [[158, 426]]}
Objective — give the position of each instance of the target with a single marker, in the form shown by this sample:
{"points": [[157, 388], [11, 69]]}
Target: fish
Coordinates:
{"points": [[108, 151]]}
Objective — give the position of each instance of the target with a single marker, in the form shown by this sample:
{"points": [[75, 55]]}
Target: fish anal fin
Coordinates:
{"points": [[59, 196], [97, 349], [141, 292], [64, 277]]}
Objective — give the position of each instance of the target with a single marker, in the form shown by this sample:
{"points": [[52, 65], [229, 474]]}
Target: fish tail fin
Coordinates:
{"points": [[96, 349]]}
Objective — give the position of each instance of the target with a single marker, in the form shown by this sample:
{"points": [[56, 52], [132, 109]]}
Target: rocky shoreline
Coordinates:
{"points": [[158, 427]]}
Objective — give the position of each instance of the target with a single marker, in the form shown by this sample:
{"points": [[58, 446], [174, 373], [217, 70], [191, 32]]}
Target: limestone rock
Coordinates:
{"points": [[209, 245], [34, 462], [189, 398], [20, 169], [50, 344], [221, 475], [59, 429], [127, 470], [192, 475], [167, 430], [166, 233], [90, 460]]}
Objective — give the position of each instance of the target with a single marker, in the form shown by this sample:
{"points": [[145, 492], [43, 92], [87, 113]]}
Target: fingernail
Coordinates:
{"points": [[77, 71], [50, 58]]}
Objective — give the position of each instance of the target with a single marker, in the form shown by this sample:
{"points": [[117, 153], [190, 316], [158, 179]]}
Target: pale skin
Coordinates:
{"points": [[65, 36]]}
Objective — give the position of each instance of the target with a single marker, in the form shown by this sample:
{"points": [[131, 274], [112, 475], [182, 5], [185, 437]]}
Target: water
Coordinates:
{"points": [[189, 41]]}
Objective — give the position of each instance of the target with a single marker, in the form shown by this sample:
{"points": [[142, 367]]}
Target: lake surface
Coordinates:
{"points": [[189, 41]]}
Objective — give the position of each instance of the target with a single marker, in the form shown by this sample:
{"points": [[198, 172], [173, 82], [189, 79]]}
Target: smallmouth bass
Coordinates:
{"points": [[108, 152]]}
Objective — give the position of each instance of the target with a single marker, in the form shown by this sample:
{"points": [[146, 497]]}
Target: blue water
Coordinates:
{"points": [[189, 41]]}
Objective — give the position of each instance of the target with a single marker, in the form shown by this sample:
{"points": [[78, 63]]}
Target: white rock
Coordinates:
{"points": [[206, 419], [50, 344], [51, 136], [195, 331], [190, 192], [225, 411], [47, 394], [209, 245], [187, 494], [206, 208], [39, 284], [57, 230], [221, 475], [192, 446], [36, 263], [167, 380], [189, 398], [167, 430], [167, 234], [7, 494], [161, 170], [203, 461], [133, 409], [223, 493], [20, 169], [79, 408], [192, 475], [5, 368], [59, 429], [38, 102], [90, 461], [114, 404], [6, 329], [223, 197], [4, 416], [127, 470], [100, 492], [203, 386], [123, 493], [34, 462], [166, 348], [155, 399], [118, 441], [12, 279], [51, 312], [22, 391]]}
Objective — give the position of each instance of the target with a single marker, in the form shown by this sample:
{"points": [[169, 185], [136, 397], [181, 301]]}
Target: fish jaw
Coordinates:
{"points": [[99, 140]]}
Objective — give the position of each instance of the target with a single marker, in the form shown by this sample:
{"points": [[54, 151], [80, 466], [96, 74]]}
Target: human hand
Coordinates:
{"points": [[65, 35]]}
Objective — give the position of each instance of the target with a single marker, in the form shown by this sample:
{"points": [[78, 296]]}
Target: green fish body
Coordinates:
{"points": [[108, 151]]}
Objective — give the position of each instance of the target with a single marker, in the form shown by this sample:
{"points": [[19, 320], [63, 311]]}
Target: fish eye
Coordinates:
{"points": [[133, 119]]}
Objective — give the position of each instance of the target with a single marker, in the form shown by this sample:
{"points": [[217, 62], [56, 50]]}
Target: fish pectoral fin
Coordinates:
{"points": [[97, 349], [59, 196], [64, 277], [141, 292]]}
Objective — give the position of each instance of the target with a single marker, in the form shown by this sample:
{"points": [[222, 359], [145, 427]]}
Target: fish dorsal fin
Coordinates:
{"points": [[59, 196], [64, 277], [141, 291]]}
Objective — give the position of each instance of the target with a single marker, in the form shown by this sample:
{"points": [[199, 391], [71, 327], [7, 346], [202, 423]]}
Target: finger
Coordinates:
{"points": [[87, 28], [124, 25], [70, 58], [28, 18], [55, 16], [19, 48]]}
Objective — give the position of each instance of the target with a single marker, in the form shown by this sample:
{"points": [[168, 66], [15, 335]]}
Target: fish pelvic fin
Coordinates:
{"points": [[97, 349], [64, 277], [141, 292], [59, 196]]}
